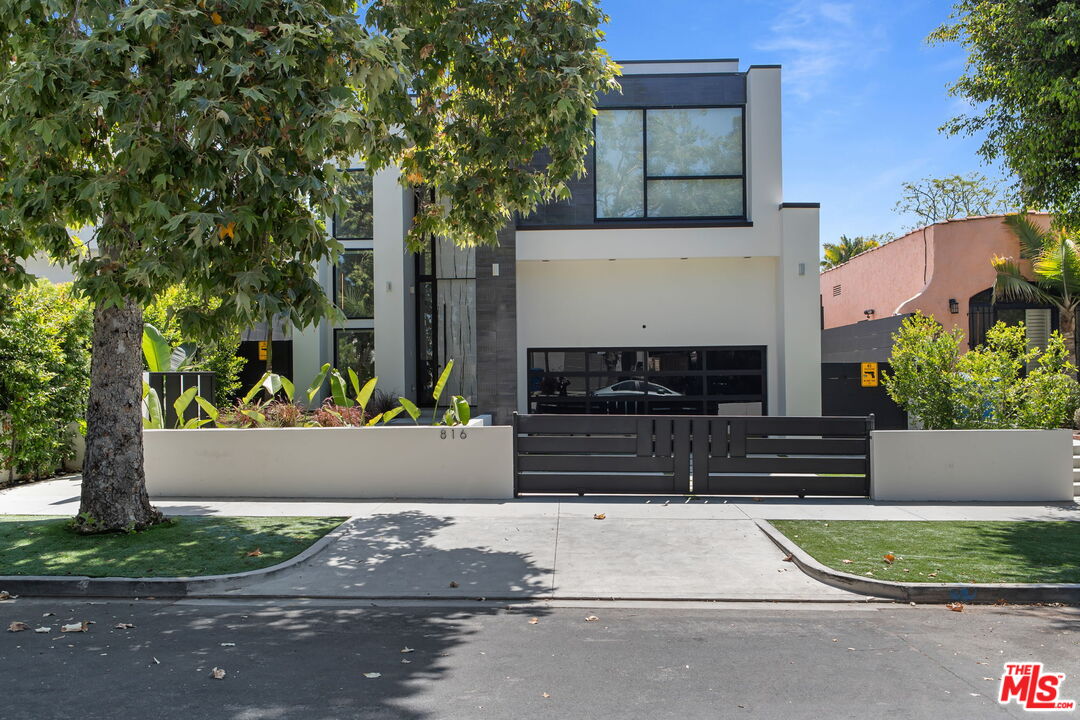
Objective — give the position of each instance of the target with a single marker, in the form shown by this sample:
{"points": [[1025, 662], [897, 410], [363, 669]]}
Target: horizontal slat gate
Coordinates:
{"points": [[705, 455]]}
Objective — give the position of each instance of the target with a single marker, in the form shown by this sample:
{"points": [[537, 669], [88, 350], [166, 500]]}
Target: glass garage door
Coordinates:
{"points": [[648, 381]]}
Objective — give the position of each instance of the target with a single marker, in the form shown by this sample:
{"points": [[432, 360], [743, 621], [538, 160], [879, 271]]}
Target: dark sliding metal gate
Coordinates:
{"points": [[704, 455]]}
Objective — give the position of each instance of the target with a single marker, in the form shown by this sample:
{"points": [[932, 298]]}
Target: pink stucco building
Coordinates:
{"points": [[942, 269]]}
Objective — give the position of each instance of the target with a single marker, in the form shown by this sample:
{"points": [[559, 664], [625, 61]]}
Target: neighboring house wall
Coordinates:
{"points": [[921, 271]]}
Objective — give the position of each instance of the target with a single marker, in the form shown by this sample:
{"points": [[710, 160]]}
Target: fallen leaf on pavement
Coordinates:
{"points": [[156, 661], [956, 606], [533, 621], [407, 649], [75, 627], [1002, 601], [42, 629], [547, 695], [372, 676], [591, 618], [5, 595], [255, 553], [889, 558], [17, 626], [123, 626], [218, 673], [228, 644], [599, 516], [453, 583], [789, 558], [405, 662]]}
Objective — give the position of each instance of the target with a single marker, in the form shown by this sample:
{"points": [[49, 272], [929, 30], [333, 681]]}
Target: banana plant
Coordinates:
{"points": [[153, 419], [180, 405], [163, 357], [458, 413], [272, 383], [440, 385]]}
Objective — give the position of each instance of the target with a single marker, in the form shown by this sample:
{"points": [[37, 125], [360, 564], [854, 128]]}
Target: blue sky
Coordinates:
{"points": [[864, 94]]}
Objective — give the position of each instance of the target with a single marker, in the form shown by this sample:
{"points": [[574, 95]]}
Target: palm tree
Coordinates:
{"points": [[840, 252], [1055, 262]]}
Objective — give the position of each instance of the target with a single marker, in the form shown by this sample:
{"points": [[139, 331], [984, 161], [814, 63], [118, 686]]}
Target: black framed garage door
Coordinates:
{"points": [[708, 380]]}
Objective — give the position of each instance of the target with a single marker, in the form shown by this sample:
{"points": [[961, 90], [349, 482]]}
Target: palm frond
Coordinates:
{"points": [[1012, 285], [1033, 239]]}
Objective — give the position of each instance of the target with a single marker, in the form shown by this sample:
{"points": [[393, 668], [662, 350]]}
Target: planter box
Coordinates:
{"points": [[377, 462], [972, 465]]}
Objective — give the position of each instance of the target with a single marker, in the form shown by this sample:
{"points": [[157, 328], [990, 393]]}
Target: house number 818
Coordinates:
{"points": [[454, 433]]}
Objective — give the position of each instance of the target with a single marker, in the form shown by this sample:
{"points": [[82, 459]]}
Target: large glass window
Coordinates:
{"points": [[354, 284], [670, 163], [355, 348], [655, 381], [355, 223]]}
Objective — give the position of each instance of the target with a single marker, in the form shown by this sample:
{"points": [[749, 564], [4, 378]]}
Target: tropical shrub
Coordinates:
{"points": [[214, 353], [1003, 383], [44, 374]]}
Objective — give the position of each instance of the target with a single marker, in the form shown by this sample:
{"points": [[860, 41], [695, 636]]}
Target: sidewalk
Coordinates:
{"points": [[550, 547]]}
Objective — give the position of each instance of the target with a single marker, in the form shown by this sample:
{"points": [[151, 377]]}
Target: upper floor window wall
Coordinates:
{"points": [[668, 163]]}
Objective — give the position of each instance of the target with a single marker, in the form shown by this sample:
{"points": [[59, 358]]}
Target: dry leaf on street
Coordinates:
{"points": [[453, 584], [407, 649], [956, 606], [123, 626], [591, 618], [889, 558], [5, 595], [17, 626], [75, 627], [372, 676], [255, 553], [789, 558], [42, 629], [547, 695], [599, 516], [533, 621], [217, 673]]}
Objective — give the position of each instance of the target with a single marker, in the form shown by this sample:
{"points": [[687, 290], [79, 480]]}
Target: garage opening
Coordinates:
{"points": [[717, 380]]}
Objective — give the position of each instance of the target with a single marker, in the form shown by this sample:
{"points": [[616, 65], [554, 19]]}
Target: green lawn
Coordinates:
{"points": [[951, 551], [185, 546]]}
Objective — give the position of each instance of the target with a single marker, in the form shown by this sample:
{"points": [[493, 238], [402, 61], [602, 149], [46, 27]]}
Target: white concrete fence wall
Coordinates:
{"points": [[379, 462], [972, 465]]}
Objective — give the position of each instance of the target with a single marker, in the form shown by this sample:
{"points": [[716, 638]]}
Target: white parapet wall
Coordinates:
{"points": [[473, 462], [972, 465]]}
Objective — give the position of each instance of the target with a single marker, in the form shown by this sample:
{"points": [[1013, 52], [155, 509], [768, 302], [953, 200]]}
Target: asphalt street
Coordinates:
{"points": [[322, 660]]}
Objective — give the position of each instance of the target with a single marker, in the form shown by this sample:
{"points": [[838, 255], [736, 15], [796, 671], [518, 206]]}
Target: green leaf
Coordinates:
{"points": [[181, 404], [338, 391], [156, 350], [155, 419], [440, 385], [410, 407], [255, 415], [207, 407], [256, 388], [287, 386], [364, 395], [316, 384], [181, 356], [354, 380], [391, 414], [375, 420], [461, 408]]}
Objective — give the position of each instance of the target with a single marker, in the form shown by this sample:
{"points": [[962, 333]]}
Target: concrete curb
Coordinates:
{"points": [[968, 593], [160, 587]]}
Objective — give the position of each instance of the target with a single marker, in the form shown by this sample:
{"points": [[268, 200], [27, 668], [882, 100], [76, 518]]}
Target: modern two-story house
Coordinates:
{"points": [[675, 279]]}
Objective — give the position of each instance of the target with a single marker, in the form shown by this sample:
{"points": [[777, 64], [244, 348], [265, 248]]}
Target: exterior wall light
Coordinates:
{"points": [[954, 306], [868, 313]]}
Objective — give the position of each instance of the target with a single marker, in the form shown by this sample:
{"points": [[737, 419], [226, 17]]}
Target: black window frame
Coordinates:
{"points": [[337, 360], [334, 219], [425, 381], [646, 177], [586, 401], [337, 284]]}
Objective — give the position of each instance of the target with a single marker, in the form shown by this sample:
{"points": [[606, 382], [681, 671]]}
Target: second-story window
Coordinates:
{"points": [[354, 278], [670, 163], [356, 222]]}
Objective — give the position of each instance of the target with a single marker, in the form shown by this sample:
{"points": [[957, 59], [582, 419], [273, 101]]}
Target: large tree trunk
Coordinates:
{"points": [[114, 494], [1067, 323]]}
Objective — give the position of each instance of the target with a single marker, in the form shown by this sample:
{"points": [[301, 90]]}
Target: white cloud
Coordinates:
{"points": [[814, 39]]}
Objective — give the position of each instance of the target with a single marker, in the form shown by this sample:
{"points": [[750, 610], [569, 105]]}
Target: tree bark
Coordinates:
{"points": [[114, 496]]}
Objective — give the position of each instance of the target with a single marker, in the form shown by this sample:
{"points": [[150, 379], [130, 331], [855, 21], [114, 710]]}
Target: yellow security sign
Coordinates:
{"points": [[262, 349], [869, 374]]}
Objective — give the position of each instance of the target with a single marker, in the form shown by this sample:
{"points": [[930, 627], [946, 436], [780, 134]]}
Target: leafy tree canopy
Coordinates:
{"points": [[846, 248], [933, 200], [204, 138], [1022, 74]]}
